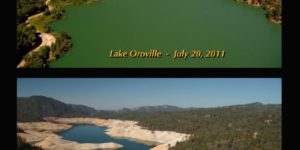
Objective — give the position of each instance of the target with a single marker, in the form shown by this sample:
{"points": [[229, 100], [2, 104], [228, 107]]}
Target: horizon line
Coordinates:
{"points": [[256, 101]]}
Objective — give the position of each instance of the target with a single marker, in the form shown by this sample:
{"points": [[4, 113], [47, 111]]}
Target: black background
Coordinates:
{"points": [[289, 73]]}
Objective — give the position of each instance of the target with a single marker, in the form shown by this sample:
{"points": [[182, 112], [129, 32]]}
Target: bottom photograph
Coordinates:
{"points": [[149, 113]]}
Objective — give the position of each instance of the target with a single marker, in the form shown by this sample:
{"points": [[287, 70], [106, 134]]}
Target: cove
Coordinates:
{"points": [[242, 31], [95, 134]]}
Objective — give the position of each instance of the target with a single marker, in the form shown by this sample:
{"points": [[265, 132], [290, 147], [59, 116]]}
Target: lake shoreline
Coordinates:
{"points": [[105, 65], [116, 128], [257, 4], [48, 39]]}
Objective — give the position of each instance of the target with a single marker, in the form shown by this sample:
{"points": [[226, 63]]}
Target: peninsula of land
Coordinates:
{"points": [[37, 44]]}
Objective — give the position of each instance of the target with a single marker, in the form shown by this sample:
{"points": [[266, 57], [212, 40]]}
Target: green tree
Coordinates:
{"points": [[34, 60], [27, 39]]}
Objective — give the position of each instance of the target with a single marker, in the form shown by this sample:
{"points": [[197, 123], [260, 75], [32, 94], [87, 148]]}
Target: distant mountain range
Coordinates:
{"points": [[34, 108], [159, 108]]}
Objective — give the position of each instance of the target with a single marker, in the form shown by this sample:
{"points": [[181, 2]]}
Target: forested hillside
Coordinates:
{"points": [[27, 37], [252, 126], [34, 108]]}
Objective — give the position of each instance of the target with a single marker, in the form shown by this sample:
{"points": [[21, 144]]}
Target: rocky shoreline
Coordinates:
{"points": [[43, 134], [268, 8]]}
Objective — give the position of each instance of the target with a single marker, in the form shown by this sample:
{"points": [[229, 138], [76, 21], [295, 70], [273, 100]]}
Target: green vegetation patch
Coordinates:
{"points": [[27, 32], [252, 126], [41, 58]]}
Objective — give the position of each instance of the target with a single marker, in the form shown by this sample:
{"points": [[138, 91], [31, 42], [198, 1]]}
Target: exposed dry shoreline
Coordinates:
{"points": [[43, 133]]}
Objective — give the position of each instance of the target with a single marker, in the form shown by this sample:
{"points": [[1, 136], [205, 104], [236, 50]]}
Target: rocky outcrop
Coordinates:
{"points": [[273, 8], [116, 128], [43, 126]]}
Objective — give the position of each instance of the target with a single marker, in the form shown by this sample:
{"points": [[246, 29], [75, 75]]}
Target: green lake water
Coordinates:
{"points": [[242, 31]]}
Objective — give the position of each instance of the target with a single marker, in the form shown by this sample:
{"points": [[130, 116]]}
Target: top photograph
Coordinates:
{"points": [[149, 34]]}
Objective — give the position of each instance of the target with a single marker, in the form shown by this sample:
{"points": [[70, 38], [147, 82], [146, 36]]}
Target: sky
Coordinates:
{"points": [[117, 93]]}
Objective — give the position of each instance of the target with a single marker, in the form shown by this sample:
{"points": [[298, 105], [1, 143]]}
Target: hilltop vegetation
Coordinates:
{"points": [[273, 8], [34, 108]]}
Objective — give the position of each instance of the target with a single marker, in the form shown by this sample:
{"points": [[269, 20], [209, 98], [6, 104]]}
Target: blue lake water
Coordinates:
{"points": [[95, 134]]}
